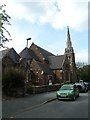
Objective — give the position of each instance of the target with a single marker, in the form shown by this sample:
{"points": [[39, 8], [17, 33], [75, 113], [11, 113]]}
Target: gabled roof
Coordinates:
{"points": [[27, 52], [46, 69], [11, 53], [56, 62], [4, 52], [44, 52]]}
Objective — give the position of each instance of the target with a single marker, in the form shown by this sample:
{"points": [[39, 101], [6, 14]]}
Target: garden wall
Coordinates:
{"points": [[45, 88]]}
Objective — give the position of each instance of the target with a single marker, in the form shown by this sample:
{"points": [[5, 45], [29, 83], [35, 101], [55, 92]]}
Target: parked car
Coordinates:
{"points": [[81, 86], [68, 91], [81, 81], [87, 85]]}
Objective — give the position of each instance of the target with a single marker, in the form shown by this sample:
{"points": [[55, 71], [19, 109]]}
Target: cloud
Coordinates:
{"points": [[71, 14], [82, 56], [58, 13]]}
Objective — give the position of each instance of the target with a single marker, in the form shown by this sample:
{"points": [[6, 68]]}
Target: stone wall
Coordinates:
{"points": [[45, 88]]}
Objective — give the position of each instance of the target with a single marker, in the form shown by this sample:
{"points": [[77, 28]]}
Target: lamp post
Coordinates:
{"points": [[27, 56], [27, 41], [26, 63]]}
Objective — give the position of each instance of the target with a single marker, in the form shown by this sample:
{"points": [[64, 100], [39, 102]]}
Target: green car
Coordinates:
{"points": [[68, 91]]}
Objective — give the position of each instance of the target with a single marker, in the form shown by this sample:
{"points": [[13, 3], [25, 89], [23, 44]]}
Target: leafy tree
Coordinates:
{"points": [[83, 73], [4, 20]]}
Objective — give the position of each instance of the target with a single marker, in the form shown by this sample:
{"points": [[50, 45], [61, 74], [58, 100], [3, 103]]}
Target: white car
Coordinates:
{"points": [[81, 86]]}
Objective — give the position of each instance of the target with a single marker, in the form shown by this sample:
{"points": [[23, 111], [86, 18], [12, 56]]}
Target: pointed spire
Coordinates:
{"points": [[69, 44]]}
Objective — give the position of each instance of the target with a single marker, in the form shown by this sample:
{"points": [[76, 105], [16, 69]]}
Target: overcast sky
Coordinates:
{"points": [[46, 21]]}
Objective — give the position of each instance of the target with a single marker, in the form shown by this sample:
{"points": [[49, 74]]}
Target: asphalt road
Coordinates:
{"points": [[58, 109], [14, 106]]}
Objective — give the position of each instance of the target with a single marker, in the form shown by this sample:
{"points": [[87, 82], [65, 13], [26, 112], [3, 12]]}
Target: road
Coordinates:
{"points": [[57, 109], [14, 106]]}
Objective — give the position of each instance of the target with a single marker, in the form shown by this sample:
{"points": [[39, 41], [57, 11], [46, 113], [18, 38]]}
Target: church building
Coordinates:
{"points": [[41, 66], [46, 68]]}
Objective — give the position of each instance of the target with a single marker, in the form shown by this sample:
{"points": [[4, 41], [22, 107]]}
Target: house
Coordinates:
{"points": [[44, 66], [10, 58]]}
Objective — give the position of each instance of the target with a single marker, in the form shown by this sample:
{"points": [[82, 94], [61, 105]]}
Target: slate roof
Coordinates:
{"points": [[56, 62], [11, 53], [30, 54], [4, 52], [44, 52], [46, 69]]}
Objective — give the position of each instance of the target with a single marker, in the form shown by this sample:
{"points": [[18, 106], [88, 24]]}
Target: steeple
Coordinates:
{"points": [[69, 48], [69, 44], [69, 52]]}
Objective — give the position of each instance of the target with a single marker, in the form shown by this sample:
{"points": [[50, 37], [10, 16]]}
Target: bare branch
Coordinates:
{"points": [[4, 19]]}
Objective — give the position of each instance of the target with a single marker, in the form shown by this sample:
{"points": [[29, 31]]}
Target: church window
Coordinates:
{"points": [[42, 72], [60, 71]]}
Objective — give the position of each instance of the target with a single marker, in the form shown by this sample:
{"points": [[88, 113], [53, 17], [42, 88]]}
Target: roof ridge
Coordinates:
{"points": [[42, 48]]}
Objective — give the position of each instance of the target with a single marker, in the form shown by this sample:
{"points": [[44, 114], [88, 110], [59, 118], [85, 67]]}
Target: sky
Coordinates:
{"points": [[46, 21]]}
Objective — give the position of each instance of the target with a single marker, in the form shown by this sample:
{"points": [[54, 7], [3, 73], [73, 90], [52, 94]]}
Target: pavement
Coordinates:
{"points": [[10, 107]]}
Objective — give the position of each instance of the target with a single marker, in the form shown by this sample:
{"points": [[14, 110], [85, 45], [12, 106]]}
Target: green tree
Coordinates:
{"points": [[4, 20], [84, 73]]}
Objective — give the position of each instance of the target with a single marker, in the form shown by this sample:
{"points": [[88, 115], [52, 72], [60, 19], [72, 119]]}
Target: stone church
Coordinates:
{"points": [[43, 67]]}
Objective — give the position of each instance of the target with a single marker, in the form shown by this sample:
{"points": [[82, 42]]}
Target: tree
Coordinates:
{"points": [[83, 73], [79, 66], [4, 20]]}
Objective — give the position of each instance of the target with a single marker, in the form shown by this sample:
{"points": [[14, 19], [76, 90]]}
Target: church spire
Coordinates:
{"points": [[69, 52], [69, 48], [69, 44]]}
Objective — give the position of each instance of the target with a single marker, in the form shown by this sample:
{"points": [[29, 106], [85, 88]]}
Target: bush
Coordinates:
{"points": [[12, 80], [66, 82], [29, 89]]}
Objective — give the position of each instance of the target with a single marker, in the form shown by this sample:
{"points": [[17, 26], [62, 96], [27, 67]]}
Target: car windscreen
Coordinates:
{"points": [[66, 87]]}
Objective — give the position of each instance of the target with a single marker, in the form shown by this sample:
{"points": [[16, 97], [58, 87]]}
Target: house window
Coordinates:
{"points": [[43, 58], [69, 57], [50, 82], [37, 72], [49, 76], [37, 80], [42, 72], [50, 79], [60, 71]]}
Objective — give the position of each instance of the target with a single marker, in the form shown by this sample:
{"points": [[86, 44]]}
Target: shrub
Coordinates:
{"points": [[12, 80], [29, 89]]}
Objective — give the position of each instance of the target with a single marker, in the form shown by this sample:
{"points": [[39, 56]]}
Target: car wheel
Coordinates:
{"points": [[74, 98], [57, 97], [85, 90], [78, 95]]}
